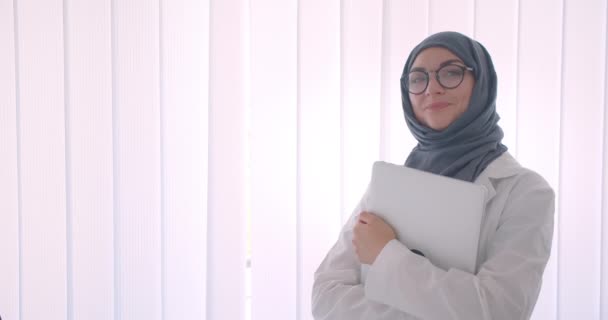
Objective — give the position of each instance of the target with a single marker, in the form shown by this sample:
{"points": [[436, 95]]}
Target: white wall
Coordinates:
{"points": [[148, 149]]}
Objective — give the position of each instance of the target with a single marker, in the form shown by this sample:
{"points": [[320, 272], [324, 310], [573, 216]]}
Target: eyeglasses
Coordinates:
{"points": [[449, 77]]}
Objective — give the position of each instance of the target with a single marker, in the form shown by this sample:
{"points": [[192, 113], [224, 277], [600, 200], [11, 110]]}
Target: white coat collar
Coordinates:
{"points": [[502, 167]]}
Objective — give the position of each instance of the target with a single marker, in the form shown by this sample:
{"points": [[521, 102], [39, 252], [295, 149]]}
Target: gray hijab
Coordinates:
{"points": [[466, 147]]}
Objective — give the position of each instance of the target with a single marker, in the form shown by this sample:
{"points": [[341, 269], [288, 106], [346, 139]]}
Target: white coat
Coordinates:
{"points": [[514, 247]]}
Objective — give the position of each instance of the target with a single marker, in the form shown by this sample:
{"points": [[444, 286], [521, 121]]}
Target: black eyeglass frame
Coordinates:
{"points": [[404, 80]]}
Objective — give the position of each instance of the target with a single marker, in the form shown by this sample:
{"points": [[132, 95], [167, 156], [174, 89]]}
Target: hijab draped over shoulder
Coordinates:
{"points": [[466, 147]]}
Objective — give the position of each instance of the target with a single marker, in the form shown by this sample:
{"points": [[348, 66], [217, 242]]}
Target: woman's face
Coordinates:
{"points": [[437, 107]]}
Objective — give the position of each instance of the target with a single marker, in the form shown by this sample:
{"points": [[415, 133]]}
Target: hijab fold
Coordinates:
{"points": [[468, 145]]}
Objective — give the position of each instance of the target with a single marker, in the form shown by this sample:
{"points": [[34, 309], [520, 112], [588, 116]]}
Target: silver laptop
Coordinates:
{"points": [[437, 216]]}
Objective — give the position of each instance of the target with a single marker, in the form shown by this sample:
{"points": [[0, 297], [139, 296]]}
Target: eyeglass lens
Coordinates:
{"points": [[449, 77]]}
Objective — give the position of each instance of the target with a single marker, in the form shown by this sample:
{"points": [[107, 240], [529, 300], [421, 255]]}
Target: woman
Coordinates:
{"points": [[448, 92]]}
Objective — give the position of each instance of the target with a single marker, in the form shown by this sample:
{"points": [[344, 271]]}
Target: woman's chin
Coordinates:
{"points": [[438, 125]]}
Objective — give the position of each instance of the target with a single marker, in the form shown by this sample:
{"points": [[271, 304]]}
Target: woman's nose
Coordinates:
{"points": [[433, 86]]}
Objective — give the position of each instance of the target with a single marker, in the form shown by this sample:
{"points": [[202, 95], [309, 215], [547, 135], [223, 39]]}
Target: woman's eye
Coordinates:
{"points": [[417, 80], [453, 73]]}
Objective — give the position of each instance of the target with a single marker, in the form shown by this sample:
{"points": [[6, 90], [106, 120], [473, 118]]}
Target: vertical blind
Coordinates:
{"points": [[195, 159]]}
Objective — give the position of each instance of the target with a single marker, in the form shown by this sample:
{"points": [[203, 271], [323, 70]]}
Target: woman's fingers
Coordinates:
{"points": [[366, 217]]}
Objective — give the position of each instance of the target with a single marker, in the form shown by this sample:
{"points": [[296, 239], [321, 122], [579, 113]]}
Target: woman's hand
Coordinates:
{"points": [[370, 235]]}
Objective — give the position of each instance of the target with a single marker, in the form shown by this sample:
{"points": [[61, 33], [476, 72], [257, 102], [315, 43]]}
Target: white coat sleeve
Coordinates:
{"points": [[337, 290], [507, 283]]}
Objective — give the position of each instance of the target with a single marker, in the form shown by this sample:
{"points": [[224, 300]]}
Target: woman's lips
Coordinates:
{"points": [[436, 106]]}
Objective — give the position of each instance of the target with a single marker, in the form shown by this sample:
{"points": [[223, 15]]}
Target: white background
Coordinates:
{"points": [[150, 149]]}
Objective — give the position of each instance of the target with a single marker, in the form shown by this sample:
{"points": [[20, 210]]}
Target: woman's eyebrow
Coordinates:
{"points": [[451, 61]]}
